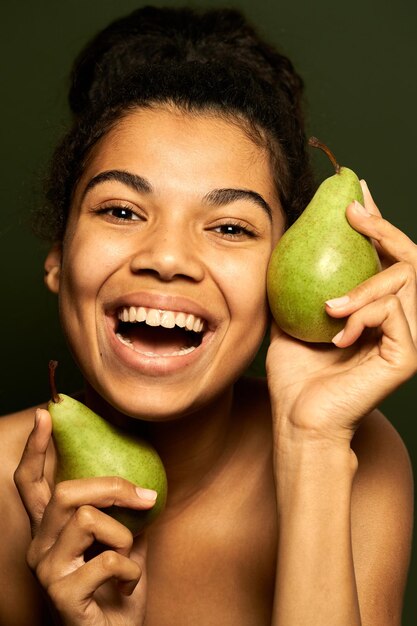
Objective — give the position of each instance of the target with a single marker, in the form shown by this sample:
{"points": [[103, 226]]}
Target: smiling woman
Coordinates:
{"points": [[185, 162], [161, 203]]}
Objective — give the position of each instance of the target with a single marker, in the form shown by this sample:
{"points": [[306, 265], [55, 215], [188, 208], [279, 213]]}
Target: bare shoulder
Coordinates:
{"points": [[383, 459], [382, 516], [14, 431], [16, 581]]}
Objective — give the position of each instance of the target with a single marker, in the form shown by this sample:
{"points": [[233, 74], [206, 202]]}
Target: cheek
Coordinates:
{"points": [[87, 262], [243, 285], [243, 281]]}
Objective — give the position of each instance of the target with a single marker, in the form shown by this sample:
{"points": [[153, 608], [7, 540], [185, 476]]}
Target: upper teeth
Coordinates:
{"points": [[159, 317]]}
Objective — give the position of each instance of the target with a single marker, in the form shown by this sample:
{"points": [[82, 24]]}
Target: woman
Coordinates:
{"points": [[289, 502]]}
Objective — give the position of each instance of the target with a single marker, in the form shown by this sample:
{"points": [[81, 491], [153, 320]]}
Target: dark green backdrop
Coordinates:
{"points": [[359, 62]]}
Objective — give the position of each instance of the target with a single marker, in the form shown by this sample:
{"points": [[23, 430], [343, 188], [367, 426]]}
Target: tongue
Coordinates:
{"points": [[157, 339]]}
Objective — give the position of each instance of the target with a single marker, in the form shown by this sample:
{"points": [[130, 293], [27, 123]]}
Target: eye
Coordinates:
{"points": [[119, 213], [234, 230]]}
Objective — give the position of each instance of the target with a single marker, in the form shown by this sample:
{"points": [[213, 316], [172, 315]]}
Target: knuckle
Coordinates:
{"points": [[18, 476], [86, 517], [135, 570], [408, 271], [118, 486], [392, 303], [21, 476], [109, 560], [62, 494], [42, 572]]}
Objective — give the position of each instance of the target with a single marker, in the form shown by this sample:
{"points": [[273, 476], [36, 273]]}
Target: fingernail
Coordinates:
{"points": [[338, 337], [337, 302], [360, 209], [146, 494]]}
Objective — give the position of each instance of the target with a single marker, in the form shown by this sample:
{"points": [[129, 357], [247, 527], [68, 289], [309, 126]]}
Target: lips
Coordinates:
{"points": [[159, 332]]}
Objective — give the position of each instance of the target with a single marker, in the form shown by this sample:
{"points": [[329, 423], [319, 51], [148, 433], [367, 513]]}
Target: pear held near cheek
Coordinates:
{"points": [[318, 258], [89, 446]]}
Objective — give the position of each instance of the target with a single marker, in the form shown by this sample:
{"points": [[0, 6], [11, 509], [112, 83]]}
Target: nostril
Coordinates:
{"points": [[168, 264]]}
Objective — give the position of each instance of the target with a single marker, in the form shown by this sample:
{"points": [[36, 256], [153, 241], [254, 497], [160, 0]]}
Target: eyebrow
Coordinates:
{"points": [[135, 182], [216, 197], [221, 197]]}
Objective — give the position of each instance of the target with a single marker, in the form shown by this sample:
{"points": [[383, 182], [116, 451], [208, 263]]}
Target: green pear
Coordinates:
{"points": [[89, 446], [318, 258]]}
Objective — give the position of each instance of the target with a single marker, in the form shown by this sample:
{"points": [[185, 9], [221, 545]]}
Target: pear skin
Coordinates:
{"points": [[89, 446], [318, 258]]}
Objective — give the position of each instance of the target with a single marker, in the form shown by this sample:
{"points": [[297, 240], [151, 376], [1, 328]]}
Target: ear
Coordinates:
{"points": [[53, 267]]}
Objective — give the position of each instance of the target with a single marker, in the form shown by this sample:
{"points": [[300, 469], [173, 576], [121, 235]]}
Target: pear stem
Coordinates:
{"points": [[313, 141], [54, 394]]}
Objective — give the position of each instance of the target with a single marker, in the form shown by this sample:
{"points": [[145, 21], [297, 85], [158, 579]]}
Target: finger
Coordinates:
{"points": [[79, 586], [396, 343], [399, 279], [99, 492], [109, 565], [370, 206], [29, 476], [369, 202], [86, 526], [391, 240]]}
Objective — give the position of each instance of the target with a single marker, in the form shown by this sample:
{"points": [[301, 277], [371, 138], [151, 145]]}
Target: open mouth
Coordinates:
{"points": [[159, 333]]}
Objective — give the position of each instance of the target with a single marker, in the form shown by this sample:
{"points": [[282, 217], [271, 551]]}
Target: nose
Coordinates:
{"points": [[169, 253]]}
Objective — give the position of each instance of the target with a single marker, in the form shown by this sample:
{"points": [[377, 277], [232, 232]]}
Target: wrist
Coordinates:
{"points": [[314, 479], [300, 452], [322, 455], [297, 431]]}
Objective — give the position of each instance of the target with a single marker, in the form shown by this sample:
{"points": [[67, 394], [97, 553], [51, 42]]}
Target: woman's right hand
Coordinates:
{"points": [[110, 588]]}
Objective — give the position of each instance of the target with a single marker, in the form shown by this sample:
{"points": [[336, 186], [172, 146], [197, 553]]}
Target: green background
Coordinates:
{"points": [[359, 63]]}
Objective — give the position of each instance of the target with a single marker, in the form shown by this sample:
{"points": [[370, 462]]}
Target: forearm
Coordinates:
{"points": [[315, 582]]}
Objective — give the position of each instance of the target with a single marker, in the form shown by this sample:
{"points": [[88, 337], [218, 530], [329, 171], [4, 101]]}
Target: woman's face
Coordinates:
{"points": [[172, 224]]}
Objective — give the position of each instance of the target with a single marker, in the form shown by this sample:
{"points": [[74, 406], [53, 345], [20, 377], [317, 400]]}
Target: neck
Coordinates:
{"points": [[193, 447]]}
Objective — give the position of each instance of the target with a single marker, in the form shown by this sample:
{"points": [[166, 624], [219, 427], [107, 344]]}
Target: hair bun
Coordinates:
{"points": [[151, 35]]}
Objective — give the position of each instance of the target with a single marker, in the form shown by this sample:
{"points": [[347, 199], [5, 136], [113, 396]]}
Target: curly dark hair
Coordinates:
{"points": [[197, 61]]}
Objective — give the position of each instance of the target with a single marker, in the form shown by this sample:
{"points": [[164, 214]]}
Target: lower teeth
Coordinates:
{"points": [[130, 345]]}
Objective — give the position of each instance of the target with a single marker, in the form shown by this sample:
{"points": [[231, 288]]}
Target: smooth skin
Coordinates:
{"points": [[287, 505]]}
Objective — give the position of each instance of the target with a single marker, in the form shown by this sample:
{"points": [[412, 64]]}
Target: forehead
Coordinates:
{"points": [[195, 150]]}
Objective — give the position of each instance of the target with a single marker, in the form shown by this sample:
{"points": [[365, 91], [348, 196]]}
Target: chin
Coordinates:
{"points": [[150, 403]]}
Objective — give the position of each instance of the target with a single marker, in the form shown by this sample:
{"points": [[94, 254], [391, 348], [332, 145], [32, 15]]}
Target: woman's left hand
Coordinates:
{"points": [[325, 389]]}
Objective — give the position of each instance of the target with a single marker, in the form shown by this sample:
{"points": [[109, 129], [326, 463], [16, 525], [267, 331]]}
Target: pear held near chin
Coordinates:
{"points": [[88, 446], [320, 257]]}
